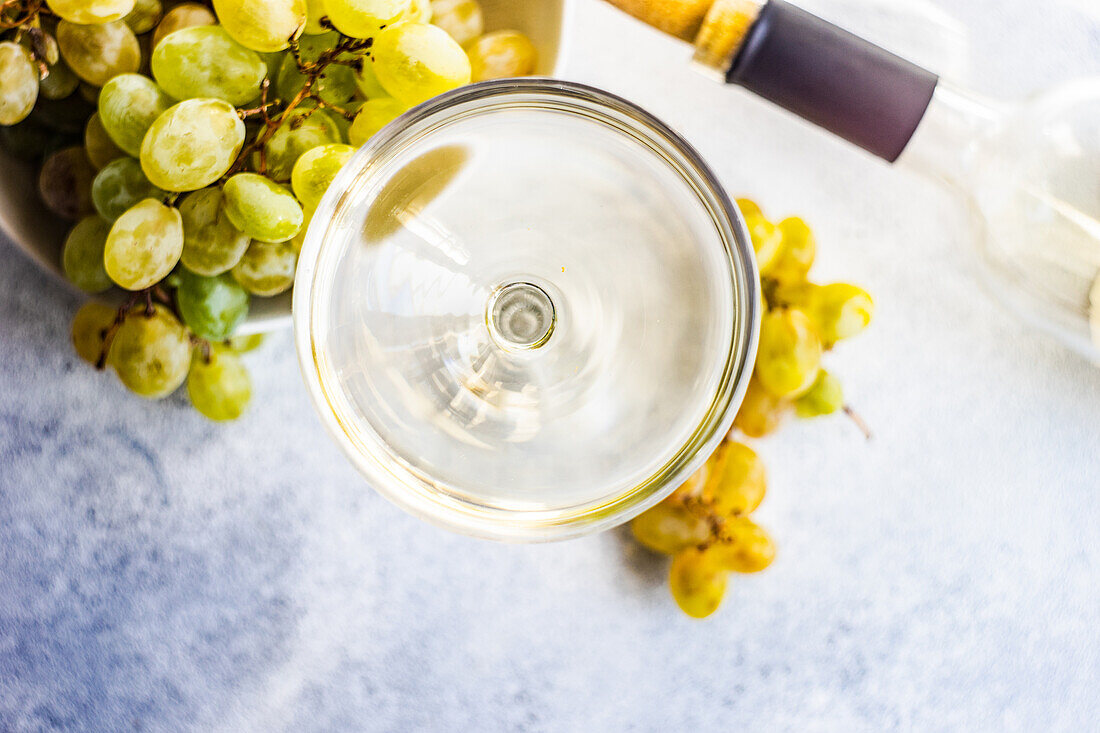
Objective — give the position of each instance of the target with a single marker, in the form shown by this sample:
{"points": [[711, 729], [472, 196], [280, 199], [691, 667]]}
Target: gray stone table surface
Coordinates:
{"points": [[161, 573]]}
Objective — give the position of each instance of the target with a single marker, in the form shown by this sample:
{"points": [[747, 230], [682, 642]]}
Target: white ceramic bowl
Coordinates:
{"points": [[40, 233]]}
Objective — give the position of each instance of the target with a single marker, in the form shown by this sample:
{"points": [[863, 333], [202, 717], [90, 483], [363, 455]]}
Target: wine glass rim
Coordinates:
{"points": [[427, 498]]}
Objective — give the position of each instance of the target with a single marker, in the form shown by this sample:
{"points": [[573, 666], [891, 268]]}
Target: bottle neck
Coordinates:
{"points": [[944, 144]]}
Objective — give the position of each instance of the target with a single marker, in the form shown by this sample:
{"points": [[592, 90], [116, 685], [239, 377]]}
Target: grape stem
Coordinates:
{"points": [[31, 11], [859, 421]]}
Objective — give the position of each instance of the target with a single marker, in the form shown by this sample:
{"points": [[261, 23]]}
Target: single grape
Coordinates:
{"points": [[261, 208], [736, 481], [315, 170], [750, 208], [826, 397], [91, 12], [767, 241], [415, 62], [211, 244], [27, 140], [98, 52], [301, 130], [192, 144], [187, 15], [128, 106], [502, 54], [204, 61], [335, 85], [263, 26], [65, 183], [697, 582], [315, 10], [144, 245], [744, 548], [372, 117], [212, 307], [219, 387], [692, 488], [364, 18], [145, 16], [120, 185], [99, 146], [367, 81], [796, 256], [761, 412], [462, 19], [245, 344], [839, 311], [18, 83], [82, 255], [668, 528], [151, 354], [89, 327], [789, 357], [267, 269]]}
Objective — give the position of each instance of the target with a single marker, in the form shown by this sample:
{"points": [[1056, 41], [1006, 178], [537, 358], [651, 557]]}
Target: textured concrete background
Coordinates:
{"points": [[160, 573]]}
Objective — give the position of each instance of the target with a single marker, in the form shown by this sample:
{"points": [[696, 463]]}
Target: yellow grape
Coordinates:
{"points": [[315, 10], [744, 548], [91, 12], [415, 62], [144, 245], [267, 269], [462, 19], [761, 412], [263, 25], [364, 18], [261, 208], [182, 16], [697, 582], [315, 170], [767, 241], [151, 354], [692, 488], [501, 55], [796, 256], [82, 255], [669, 527], [790, 353], [89, 327], [192, 144], [750, 208], [128, 105], [98, 145], [145, 16], [18, 83], [736, 482], [98, 52], [219, 387], [372, 117], [826, 397], [211, 244], [368, 83], [840, 311]]}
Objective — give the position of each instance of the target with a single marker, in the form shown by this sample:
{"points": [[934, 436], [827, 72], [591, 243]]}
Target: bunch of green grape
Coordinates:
{"points": [[190, 144], [705, 525]]}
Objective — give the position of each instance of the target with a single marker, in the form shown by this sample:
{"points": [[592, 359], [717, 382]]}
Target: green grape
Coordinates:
{"points": [[736, 481], [761, 412], [91, 12], [89, 327], [840, 311], [220, 388], [789, 357], [367, 81], [245, 344], [336, 85], [668, 528], [262, 26], [82, 255], [372, 117], [120, 185], [796, 256], [27, 140], [364, 18], [273, 61], [18, 83], [151, 354], [144, 245], [59, 83], [826, 397], [204, 61], [128, 106], [267, 269], [420, 11], [192, 144], [744, 548], [301, 130], [98, 52], [462, 19], [315, 10], [415, 62], [697, 582], [99, 146], [767, 241], [212, 307], [65, 183], [187, 15], [211, 244], [750, 209], [315, 170], [261, 208], [145, 16], [502, 54]]}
